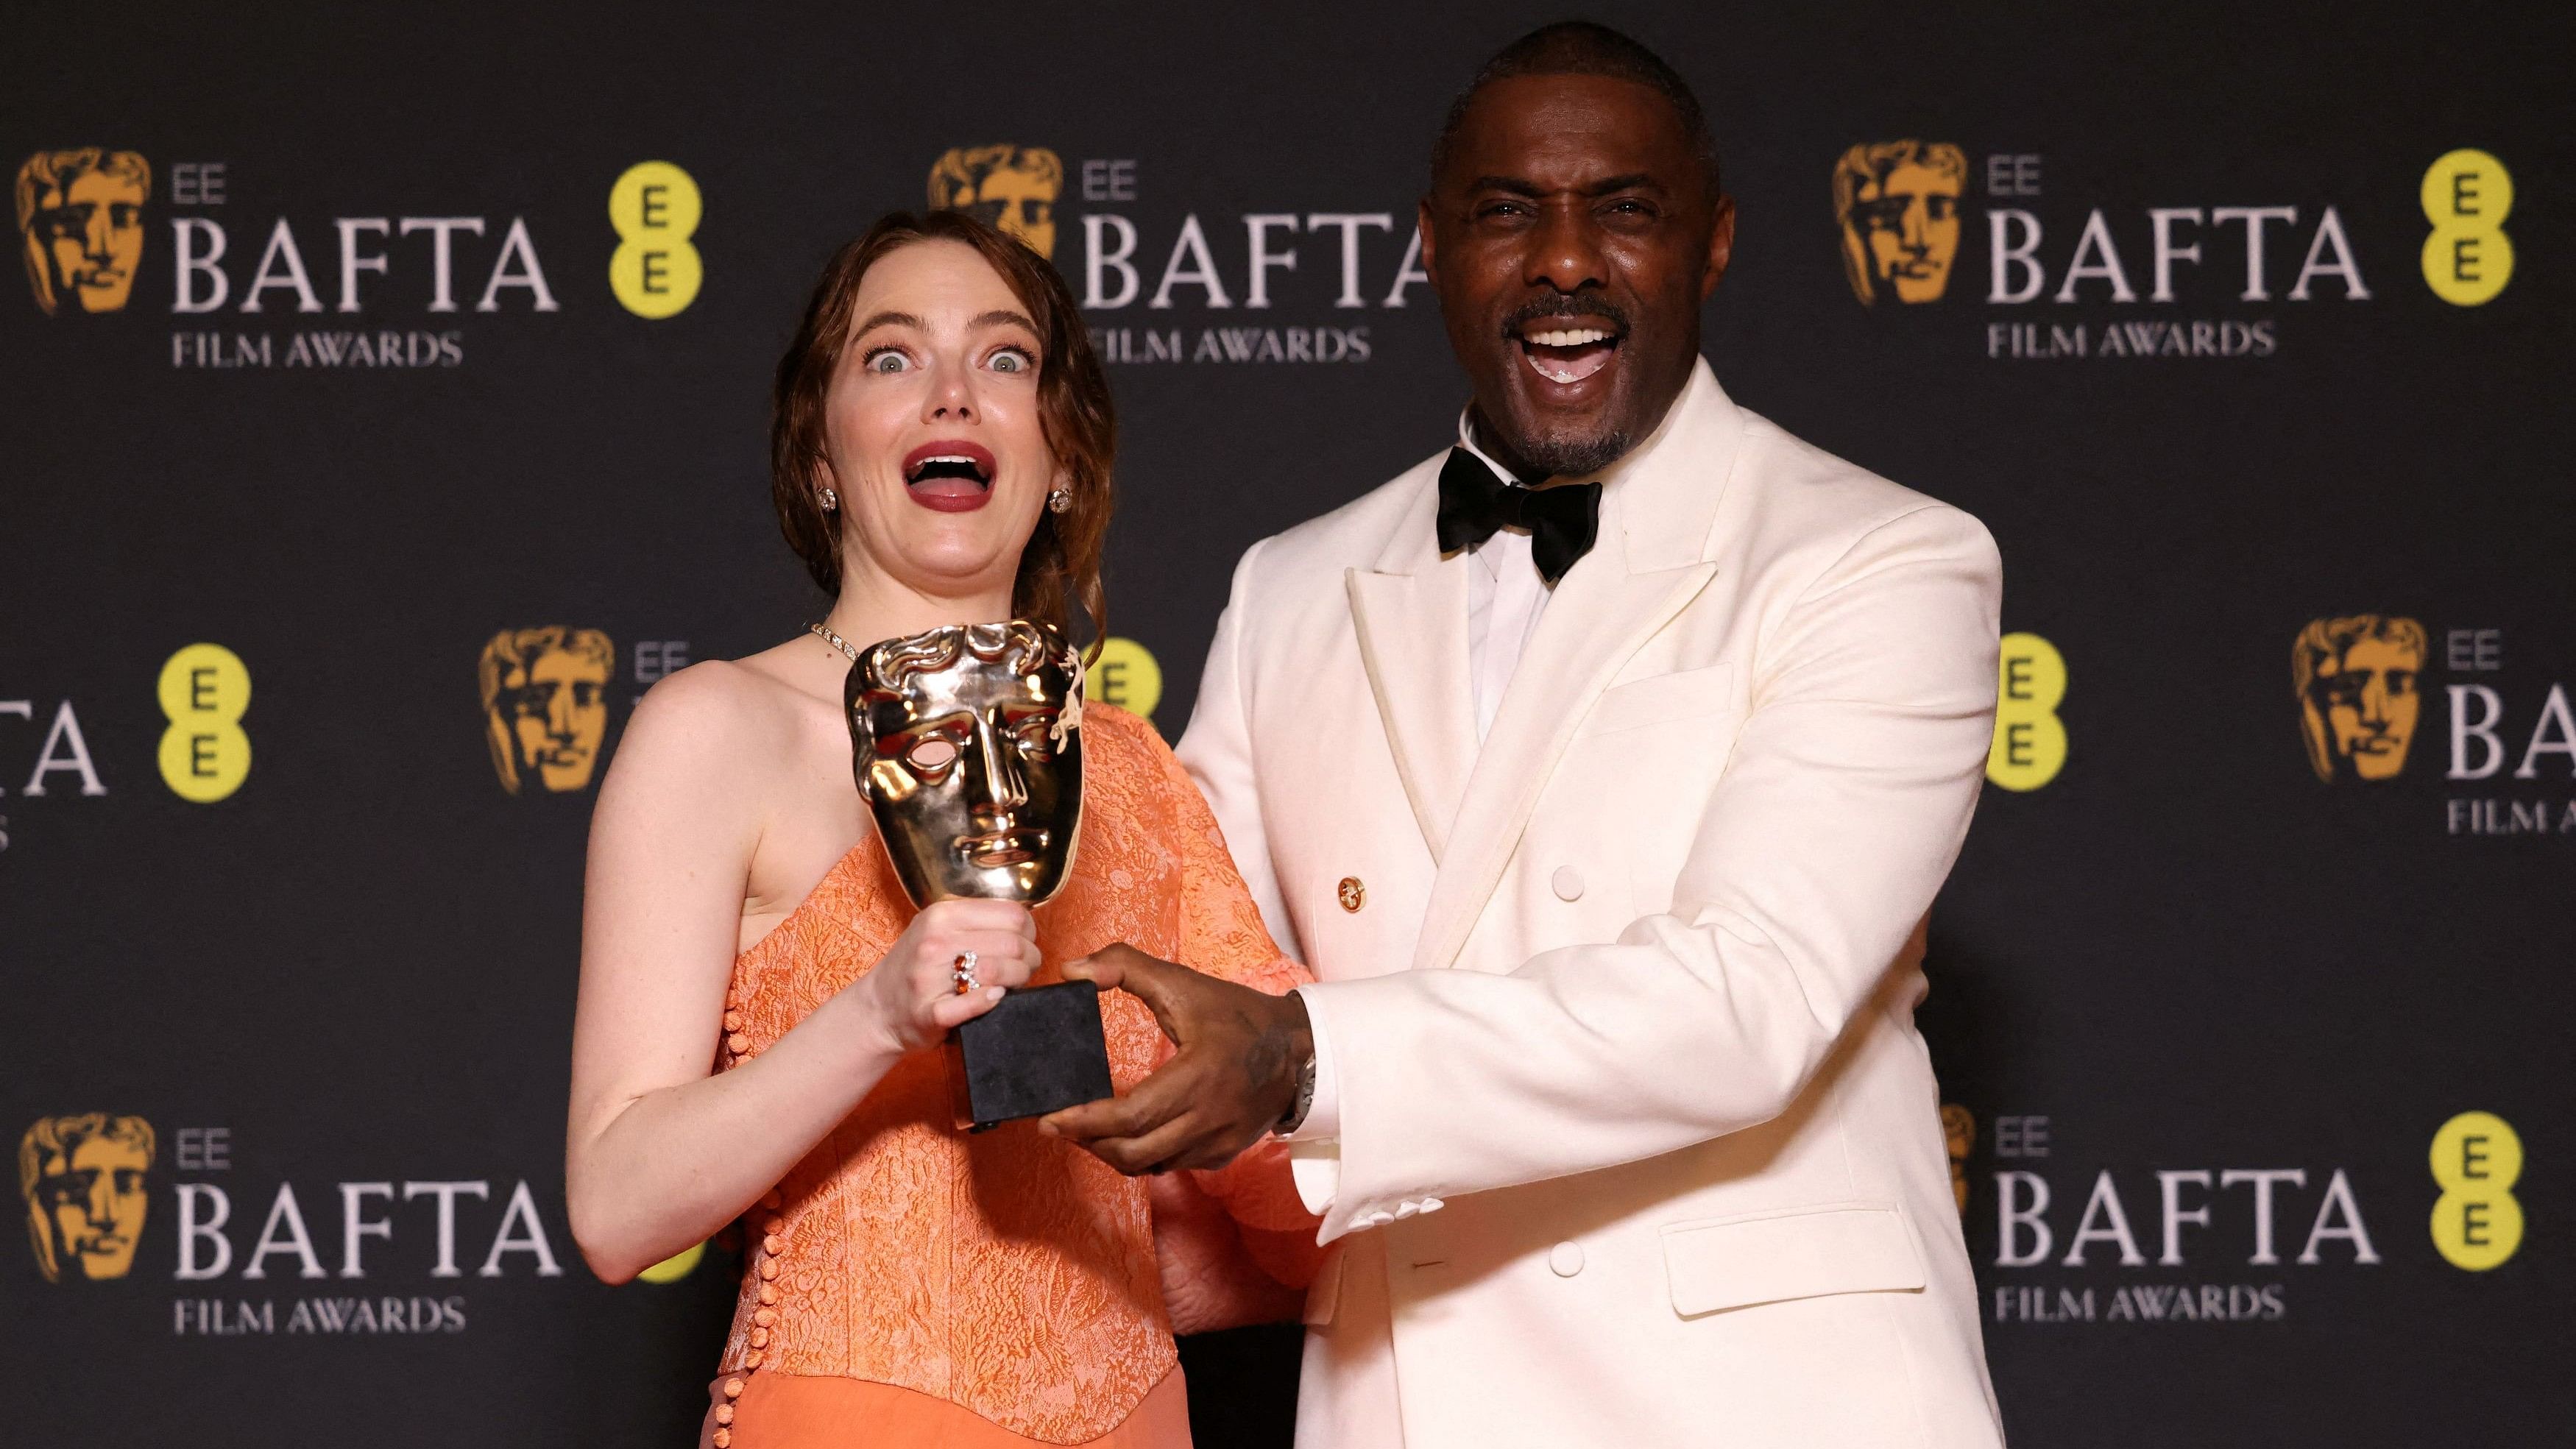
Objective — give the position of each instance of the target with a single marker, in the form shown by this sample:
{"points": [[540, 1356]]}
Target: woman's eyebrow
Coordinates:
{"points": [[886, 319], [1005, 317]]}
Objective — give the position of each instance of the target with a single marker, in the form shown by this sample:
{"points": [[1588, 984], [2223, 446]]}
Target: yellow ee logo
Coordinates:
{"points": [[2476, 1159], [1126, 675], [655, 208], [2030, 741], [2468, 258], [205, 688], [675, 1267]]}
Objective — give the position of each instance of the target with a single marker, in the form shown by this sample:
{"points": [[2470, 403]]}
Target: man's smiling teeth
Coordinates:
{"points": [[1567, 337]]}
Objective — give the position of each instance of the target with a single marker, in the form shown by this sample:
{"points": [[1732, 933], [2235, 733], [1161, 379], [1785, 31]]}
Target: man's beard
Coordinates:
{"points": [[1568, 455], [1576, 457]]}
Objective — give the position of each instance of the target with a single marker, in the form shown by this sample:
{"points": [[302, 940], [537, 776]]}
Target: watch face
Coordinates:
{"points": [[1305, 1103]]}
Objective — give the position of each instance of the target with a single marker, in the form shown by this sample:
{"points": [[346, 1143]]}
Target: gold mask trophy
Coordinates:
{"points": [[967, 742]]}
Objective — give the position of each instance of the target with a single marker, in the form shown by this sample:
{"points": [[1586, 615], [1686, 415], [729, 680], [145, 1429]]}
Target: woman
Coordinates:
{"points": [[757, 994]]}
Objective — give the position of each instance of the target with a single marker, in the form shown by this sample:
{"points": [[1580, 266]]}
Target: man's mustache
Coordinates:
{"points": [[1559, 304]]}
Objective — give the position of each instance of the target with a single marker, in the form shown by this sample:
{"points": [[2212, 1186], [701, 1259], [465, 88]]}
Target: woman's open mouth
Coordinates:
{"points": [[951, 476]]}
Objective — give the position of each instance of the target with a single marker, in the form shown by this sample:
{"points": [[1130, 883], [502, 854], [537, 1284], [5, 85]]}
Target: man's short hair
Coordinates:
{"points": [[1580, 47]]}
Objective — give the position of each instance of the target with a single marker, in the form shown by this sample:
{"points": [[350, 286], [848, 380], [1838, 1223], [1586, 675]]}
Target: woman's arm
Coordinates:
{"points": [[659, 1153]]}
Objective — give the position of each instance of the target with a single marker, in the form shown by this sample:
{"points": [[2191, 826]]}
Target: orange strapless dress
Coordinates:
{"points": [[911, 1284]]}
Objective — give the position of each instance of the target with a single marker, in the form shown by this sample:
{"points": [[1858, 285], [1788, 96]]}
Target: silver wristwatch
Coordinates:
{"points": [[1305, 1102]]}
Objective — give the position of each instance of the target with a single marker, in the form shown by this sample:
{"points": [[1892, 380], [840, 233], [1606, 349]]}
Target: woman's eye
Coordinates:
{"points": [[1011, 360], [888, 360]]}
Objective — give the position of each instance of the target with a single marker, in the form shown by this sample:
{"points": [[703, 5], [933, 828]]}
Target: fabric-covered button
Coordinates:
{"points": [[722, 1439], [737, 1043], [1568, 883], [1565, 1259], [773, 1244], [768, 1269], [724, 1413], [1376, 1219], [752, 1359], [764, 1316], [768, 1292], [733, 1387], [772, 1198], [760, 1338], [733, 1021]]}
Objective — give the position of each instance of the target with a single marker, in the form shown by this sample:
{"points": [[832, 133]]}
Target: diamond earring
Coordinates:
{"points": [[831, 500], [1059, 500]]}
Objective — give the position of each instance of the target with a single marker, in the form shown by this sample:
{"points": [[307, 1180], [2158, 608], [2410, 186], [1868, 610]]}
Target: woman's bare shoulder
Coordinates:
{"points": [[719, 718]]}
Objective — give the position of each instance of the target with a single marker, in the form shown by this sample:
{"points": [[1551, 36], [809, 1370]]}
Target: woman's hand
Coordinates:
{"points": [[912, 997]]}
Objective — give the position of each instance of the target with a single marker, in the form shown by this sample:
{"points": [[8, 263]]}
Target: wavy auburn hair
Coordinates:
{"points": [[1060, 567]]}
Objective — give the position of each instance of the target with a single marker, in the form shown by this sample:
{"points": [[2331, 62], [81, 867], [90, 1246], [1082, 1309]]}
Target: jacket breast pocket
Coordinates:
{"points": [[1771, 1257], [1706, 693]]}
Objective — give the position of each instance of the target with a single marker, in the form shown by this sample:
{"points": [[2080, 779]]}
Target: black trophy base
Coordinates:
{"points": [[1040, 1049]]}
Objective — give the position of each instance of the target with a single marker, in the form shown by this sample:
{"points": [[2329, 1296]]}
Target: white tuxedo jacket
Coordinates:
{"points": [[1639, 1146]]}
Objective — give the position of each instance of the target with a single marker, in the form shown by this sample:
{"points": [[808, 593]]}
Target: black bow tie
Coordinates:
{"points": [[1562, 521]]}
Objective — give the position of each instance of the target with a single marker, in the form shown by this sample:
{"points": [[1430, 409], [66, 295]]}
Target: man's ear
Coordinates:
{"points": [[1721, 246], [1422, 228]]}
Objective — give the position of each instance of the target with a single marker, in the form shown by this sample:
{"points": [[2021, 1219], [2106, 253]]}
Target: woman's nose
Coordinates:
{"points": [[952, 396]]}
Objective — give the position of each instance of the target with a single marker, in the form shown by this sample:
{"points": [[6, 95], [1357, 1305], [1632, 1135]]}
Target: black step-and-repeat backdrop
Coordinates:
{"points": [[385, 414]]}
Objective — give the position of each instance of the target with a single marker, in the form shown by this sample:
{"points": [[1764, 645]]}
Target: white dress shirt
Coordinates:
{"points": [[1505, 596]]}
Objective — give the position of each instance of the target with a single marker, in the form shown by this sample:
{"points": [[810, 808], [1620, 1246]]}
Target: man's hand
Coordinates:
{"points": [[1232, 1079]]}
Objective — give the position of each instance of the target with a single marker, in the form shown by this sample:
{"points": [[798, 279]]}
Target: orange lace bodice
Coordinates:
{"points": [[1006, 1272]]}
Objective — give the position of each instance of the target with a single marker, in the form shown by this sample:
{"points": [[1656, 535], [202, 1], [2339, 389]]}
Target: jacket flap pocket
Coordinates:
{"points": [[1854, 1247], [1663, 699]]}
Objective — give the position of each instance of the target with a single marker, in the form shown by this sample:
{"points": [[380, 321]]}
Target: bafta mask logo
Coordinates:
{"points": [[545, 704], [84, 1180], [2358, 682], [1012, 187], [967, 742], [80, 219], [1898, 205], [1959, 1135]]}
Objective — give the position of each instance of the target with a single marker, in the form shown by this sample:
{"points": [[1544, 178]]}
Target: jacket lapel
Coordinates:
{"points": [[1410, 608], [1656, 530]]}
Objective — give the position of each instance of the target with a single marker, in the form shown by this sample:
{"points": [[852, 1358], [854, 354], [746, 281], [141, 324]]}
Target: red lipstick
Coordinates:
{"points": [[950, 475]]}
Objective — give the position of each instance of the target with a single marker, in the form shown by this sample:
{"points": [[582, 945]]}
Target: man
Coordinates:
{"points": [[1898, 205], [2358, 701], [545, 704], [83, 1179], [1608, 835], [80, 219]]}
